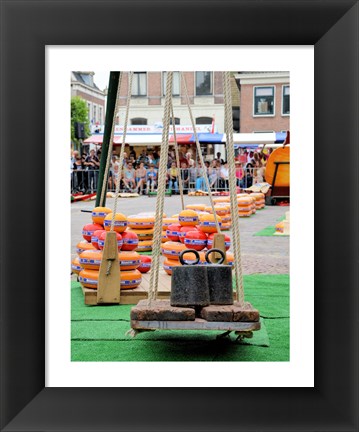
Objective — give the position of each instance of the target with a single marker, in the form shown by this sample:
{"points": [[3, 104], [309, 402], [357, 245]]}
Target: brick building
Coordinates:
{"points": [[82, 85], [205, 91], [264, 101]]}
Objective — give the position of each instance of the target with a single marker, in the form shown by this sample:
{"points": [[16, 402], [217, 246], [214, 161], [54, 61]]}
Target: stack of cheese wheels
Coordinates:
{"points": [[259, 199], [75, 265], [245, 206], [129, 261], [142, 224]]}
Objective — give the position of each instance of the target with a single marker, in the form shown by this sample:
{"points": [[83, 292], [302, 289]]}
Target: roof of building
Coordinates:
{"points": [[85, 78]]}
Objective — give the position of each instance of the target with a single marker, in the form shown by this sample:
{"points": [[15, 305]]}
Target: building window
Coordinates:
{"points": [[204, 83], [285, 100], [176, 83], [204, 120], [89, 111], [177, 121], [139, 84], [94, 114], [139, 121], [263, 101], [100, 116]]}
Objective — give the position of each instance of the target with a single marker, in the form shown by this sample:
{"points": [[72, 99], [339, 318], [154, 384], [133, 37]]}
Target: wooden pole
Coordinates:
{"points": [[110, 110]]}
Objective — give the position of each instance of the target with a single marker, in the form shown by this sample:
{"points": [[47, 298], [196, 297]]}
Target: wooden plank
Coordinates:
{"points": [[197, 324], [219, 243], [109, 281]]}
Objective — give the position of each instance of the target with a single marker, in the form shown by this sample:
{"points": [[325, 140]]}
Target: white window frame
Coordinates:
{"points": [[212, 85], [137, 95], [285, 85], [163, 84], [253, 100]]}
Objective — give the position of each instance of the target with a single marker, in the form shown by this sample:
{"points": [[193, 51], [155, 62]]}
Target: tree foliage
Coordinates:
{"points": [[79, 113]]}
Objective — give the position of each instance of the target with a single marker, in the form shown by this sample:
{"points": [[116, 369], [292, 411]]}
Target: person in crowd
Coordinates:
{"points": [[213, 174], [173, 177], [92, 164], [250, 157], [190, 160], [125, 159], [132, 153], [140, 178], [129, 180], [223, 175], [185, 176], [156, 159], [200, 183], [171, 158], [151, 178], [143, 158], [219, 157], [110, 183], [116, 171], [79, 177], [239, 174], [248, 175], [150, 158], [74, 155]]}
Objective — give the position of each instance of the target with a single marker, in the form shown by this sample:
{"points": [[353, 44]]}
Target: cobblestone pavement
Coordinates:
{"points": [[269, 255]]}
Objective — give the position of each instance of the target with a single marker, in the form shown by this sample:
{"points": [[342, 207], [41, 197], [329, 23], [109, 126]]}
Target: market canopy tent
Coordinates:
{"points": [[241, 139]]}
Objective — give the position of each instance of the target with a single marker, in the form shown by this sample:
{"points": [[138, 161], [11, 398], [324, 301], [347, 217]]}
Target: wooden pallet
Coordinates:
{"points": [[133, 296], [197, 324]]}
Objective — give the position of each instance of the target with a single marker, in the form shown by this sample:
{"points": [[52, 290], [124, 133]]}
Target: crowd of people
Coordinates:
{"points": [[140, 173]]}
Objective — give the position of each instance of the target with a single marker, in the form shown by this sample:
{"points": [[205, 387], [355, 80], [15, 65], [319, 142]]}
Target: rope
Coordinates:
{"points": [[122, 149], [161, 189], [177, 156], [232, 187], [109, 154], [200, 154]]}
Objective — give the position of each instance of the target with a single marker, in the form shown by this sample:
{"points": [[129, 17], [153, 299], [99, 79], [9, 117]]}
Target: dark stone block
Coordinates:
{"points": [[220, 284], [189, 286], [160, 310]]}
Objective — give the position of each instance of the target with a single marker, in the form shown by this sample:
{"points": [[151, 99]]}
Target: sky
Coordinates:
{"points": [[101, 78]]}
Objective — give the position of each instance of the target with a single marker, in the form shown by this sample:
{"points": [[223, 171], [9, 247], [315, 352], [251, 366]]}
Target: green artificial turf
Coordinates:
{"points": [[98, 333]]}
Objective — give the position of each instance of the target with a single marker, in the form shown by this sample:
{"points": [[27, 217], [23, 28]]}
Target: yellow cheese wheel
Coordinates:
{"points": [[76, 266], [199, 207], [99, 214], [129, 279], [143, 234], [84, 245], [145, 246], [208, 224], [188, 218], [141, 221], [91, 259], [129, 260], [245, 213], [168, 221], [172, 250], [120, 223]]}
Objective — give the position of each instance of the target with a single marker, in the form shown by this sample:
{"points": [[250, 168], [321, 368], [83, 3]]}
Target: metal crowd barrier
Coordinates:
{"points": [[86, 181]]}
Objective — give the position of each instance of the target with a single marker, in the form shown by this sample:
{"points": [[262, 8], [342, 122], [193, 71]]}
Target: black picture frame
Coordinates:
{"points": [[26, 28]]}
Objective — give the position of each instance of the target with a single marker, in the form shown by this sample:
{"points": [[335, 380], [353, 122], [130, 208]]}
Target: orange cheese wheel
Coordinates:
{"points": [[226, 218], [99, 214], [164, 238], [221, 200], [188, 218], [141, 221], [89, 278], [230, 259], [208, 224], [129, 279], [129, 260], [243, 201], [199, 207], [168, 265], [219, 209], [279, 227], [245, 214], [76, 266], [145, 246], [91, 259], [168, 221], [226, 226], [142, 234], [281, 154], [120, 223], [172, 250], [84, 245]]}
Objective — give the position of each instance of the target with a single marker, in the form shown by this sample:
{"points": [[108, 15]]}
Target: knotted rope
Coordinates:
{"points": [[161, 189], [232, 187]]}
